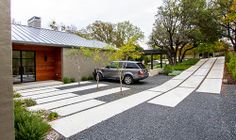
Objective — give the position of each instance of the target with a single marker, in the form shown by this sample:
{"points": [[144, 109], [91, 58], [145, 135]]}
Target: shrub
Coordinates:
{"points": [[52, 116], [16, 95], [191, 61], [66, 80], [180, 66], [72, 80], [168, 69], [84, 78], [28, 125], [25, 102], [90, 77], [231, 64], [29, 102]]}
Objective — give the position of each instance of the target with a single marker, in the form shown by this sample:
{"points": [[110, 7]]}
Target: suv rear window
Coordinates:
{"points": [[141, 65], [131, 66]]}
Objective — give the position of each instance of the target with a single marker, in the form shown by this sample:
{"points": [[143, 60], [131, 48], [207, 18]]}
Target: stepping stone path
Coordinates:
{"points": [[80, 112]]}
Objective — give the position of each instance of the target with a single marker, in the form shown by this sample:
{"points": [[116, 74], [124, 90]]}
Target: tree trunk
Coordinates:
{"points": [[185, 51]]}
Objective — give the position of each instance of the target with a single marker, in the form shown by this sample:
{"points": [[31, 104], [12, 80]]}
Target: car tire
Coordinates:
{"points": [[99, 76], [128, 79]]}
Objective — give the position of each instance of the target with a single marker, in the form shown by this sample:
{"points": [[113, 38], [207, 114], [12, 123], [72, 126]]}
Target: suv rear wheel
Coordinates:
{"points": [[128, 80]]}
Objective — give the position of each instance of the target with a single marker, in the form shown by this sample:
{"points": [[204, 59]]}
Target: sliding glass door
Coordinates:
{"points": [[23, 66]]}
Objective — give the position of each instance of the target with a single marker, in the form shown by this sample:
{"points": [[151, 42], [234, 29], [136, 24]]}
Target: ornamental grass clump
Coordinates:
{"points": [[28, 125]]}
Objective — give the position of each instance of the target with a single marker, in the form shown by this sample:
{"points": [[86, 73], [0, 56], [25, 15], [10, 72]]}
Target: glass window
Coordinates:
{"points": [[141, 65], [28, 62], [16, 54], [27, 54], [114, 65], [131, 66]]}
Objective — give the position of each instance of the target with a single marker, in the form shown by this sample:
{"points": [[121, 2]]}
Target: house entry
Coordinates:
{"points": [[23, 66]]}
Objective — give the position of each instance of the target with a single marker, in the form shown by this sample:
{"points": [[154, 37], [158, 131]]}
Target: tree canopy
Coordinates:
{"points": [[180, 24], [114, 34], [225, 13]]}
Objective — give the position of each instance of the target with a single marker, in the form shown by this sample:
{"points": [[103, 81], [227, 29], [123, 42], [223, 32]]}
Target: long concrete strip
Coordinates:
{"points": [[210, 86], [78, 122], [179, 93], [35, 91], [31, 85], [173, 97], [167, 85], [54, 98], [49, 94], [57, 104], [31, 93], [213, 81], [67, 110]]}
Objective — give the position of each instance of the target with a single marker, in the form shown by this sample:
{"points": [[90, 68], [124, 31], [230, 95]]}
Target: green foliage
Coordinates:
{"points": [[90, 77], [113, 34], [180, 66], [174, 73], [67, 80], [84, 78], [28, 125], [16, 95], [25, 102], [180, 24], [217, 46], [129, 51], [168, 69], [231, 64], [190, 62], [52, 116], [29, 102], [225, 11], [72, 80]]}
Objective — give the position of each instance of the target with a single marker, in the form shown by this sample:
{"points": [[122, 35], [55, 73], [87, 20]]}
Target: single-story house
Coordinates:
{"points": [[40, 54]]}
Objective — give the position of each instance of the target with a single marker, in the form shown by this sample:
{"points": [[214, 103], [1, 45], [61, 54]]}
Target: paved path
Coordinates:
{"points": [[80, 112]]}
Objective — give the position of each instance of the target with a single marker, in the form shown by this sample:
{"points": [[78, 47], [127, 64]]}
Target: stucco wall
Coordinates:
{"points": [[70, 63], [6, 96]]}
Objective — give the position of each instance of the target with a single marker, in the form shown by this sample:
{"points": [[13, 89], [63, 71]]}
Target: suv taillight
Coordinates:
{"points": [[140, 72]]}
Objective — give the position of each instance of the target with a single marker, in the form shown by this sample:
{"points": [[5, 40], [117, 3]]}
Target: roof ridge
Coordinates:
{"points": [[45, 29]]}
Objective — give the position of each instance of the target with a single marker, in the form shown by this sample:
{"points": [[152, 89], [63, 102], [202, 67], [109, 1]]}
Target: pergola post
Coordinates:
{"points": [[161, 60], [152, 61]]}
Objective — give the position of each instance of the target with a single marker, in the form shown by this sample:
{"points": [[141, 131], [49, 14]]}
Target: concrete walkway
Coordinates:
{"points": [[83, 111]]}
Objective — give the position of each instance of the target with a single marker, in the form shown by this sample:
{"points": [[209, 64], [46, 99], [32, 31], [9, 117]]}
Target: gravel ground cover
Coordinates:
{"points": [[199, 116]]}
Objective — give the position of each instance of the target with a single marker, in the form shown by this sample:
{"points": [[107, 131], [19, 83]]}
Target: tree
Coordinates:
{"points": [[125, 31], [180, 24], [56, 27], [53, 25], [128, 51], [113, 34], [102, 31], [225, 11]]}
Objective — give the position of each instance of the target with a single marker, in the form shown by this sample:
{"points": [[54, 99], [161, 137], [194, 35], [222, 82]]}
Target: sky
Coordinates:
{"points": [[81, 13]]}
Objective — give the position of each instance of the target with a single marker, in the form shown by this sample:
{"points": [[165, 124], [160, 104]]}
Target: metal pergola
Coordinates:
{"points": [[154, 52]]}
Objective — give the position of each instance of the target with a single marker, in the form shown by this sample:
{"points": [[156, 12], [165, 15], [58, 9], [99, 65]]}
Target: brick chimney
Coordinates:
{"points": [[34, 22]]}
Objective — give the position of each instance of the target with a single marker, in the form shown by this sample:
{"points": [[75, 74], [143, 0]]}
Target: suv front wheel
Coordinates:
{"points": [[128, 79]]}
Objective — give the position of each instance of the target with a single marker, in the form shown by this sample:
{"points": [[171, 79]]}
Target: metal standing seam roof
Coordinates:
{"points": [[40, 36]]}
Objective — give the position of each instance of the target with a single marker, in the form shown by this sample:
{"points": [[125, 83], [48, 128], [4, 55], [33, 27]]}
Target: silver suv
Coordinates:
{"points": [[131, 71]]}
